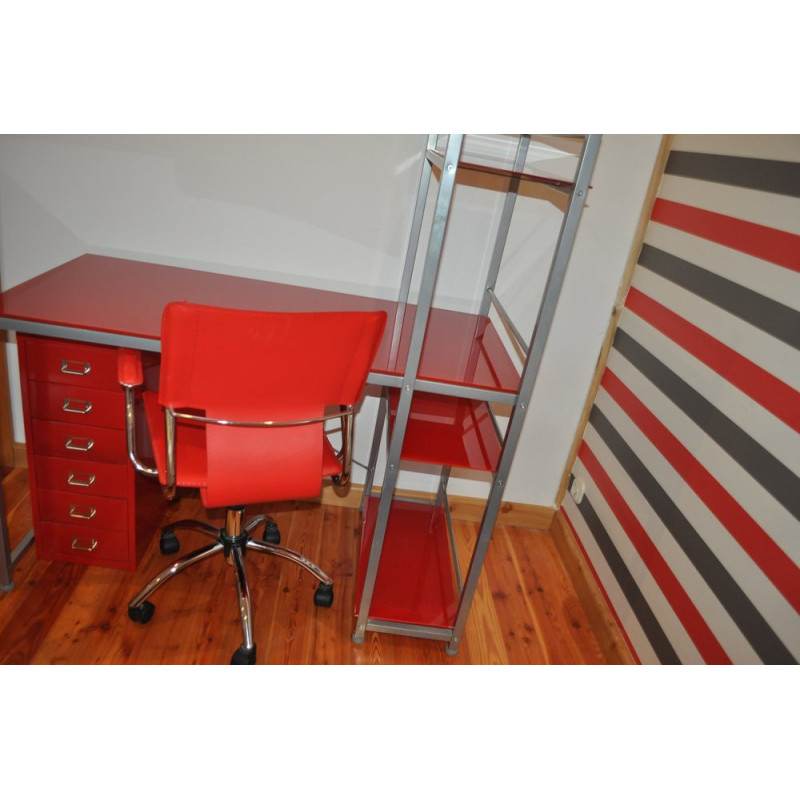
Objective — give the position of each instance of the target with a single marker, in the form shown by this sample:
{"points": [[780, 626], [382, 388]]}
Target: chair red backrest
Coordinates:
{"points": [[253, 366]]}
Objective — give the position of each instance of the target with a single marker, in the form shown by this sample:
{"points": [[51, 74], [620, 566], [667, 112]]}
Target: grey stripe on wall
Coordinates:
{"points": [[664, 651], [768, 315], [753, 626], [766, 175], [762, 466]]}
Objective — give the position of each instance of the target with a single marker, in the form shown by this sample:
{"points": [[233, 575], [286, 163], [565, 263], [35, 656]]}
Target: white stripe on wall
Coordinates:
{"points": [[750, 205], [770, 280]]}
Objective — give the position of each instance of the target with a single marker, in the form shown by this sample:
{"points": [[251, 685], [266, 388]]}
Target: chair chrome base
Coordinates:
{"points": [[232, 541]]}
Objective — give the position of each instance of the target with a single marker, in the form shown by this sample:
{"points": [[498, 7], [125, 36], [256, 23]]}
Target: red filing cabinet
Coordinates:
{"points": [[89, 505]]}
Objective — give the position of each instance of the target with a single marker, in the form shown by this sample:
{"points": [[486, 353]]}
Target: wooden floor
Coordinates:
{"points": [[526, 610]]}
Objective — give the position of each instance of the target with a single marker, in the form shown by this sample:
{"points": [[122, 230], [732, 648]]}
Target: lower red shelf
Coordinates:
{"points": [[415, 583]]}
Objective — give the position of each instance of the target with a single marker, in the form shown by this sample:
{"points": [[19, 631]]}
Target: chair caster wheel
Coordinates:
{"points": [[244, 656], [323, 597], [271, 533], [142, 613], [168, 543]]}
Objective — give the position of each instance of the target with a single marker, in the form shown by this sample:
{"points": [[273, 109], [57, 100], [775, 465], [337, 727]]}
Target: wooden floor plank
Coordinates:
{"points": [[48, 587], [483, 638], [523, 634], [525, 610]]}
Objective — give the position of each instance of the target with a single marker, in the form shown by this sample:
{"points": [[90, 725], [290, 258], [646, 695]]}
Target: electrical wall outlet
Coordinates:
{"points": [[577, 489]]}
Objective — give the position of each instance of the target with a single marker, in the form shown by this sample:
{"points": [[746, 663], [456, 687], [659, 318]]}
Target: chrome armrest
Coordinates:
{"points": [[170, 485], [130, 375], [345, 455]]}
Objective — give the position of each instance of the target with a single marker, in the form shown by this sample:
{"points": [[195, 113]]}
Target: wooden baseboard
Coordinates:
{"points": [[20, 455], [469, 509], [609, 636]]}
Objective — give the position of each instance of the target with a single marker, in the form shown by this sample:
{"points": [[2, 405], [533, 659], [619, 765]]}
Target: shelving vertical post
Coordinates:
{"points": [[424, 301], [504, 224], [530, 372]]}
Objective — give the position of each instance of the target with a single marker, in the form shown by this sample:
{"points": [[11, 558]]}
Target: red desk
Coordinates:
{"points": [[111, 302], [119, 302]]}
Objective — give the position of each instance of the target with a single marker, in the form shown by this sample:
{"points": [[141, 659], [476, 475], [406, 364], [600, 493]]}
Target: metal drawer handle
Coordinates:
{"points": [[80, 478], [75, 367], [82, 512], [84, 544], [79, 443], [76, 406]]}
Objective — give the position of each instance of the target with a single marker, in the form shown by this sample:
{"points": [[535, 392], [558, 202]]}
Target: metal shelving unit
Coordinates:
{"points": [[408, 577]]}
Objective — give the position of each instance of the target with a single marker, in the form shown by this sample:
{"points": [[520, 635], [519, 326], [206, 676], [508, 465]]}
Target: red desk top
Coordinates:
{"points": [[125, 298]]}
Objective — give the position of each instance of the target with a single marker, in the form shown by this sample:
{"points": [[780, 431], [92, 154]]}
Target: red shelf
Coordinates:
{"points": [[415, 582], [448, 430]]}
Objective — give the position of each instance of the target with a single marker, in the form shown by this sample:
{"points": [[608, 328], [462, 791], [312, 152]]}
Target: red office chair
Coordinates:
{"points": [[240, 415]]}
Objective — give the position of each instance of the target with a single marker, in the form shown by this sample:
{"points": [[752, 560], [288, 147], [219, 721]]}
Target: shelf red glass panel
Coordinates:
{"points": [[500, 164], [123, 297], [415, 583], [448, 430]]}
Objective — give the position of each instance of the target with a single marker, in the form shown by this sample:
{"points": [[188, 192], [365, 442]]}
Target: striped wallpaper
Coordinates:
{"points": [[691, 456]]}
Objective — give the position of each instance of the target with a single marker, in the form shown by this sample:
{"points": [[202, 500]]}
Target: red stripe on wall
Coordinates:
{"points": [[773, 245], [768, 391], [753, 539], [709, 648]]}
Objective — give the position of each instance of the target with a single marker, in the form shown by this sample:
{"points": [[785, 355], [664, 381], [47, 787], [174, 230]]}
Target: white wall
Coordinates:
{"points": [[332, 212], [605, 237]]}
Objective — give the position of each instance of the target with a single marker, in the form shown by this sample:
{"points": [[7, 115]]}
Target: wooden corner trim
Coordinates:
{"points": [[633, 255], [610, 636], [20, 455]]}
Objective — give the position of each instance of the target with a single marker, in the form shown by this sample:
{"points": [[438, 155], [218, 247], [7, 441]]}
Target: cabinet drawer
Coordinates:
{"points": [[69, 543], [85, 405], [85, 512], [82, 477], [79, 442], [62, 361]]}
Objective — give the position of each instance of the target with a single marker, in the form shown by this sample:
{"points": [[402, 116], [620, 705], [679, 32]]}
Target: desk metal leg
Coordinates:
{"points": [[8, 558], [6, 562], [9, 561]]}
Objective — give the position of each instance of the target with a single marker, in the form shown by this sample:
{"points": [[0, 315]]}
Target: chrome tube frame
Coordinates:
{"points": [[175, 569], [267, 423], [130, 434], [233, 541], [170, 487], [345, 454], [245, 604], [293, 556]]}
